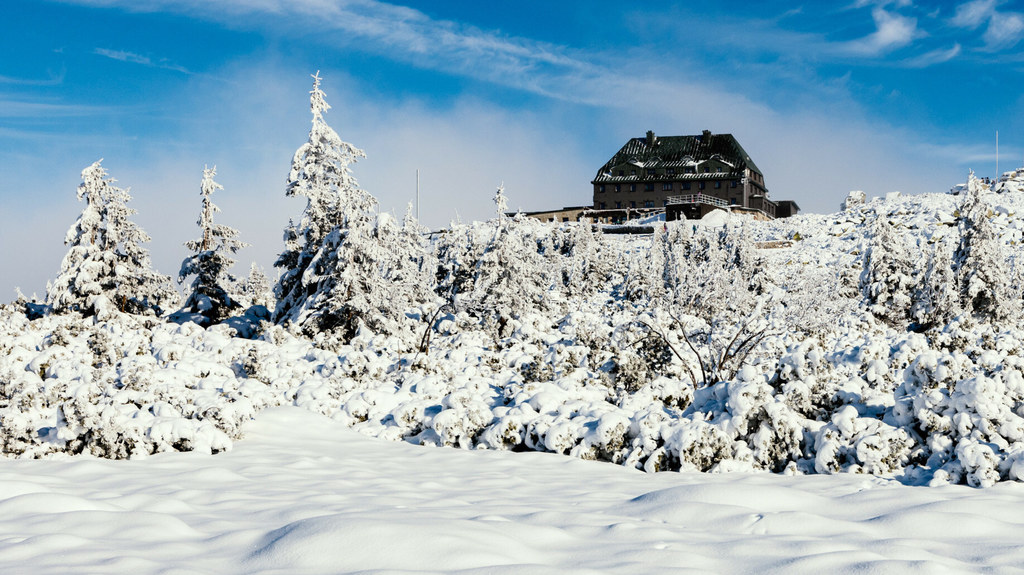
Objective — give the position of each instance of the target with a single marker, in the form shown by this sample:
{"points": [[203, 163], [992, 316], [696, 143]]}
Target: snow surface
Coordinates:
{"points": [[304, 494]]}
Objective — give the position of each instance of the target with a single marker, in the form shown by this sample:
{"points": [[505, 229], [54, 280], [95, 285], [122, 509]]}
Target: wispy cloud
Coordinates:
{"points": [[934, 57], [53, 80], [973, 14], [1004, 29], [892, 31], [20, 109], [133, 58]]}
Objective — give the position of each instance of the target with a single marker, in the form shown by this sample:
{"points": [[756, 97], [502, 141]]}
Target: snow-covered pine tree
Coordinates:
{"points": [[212, 295], [513, 275], [320, 173], [501, 201], [380, 270], [674, 243], [345, 265], [256, 289], [888, 277], [586, 261], [979, 259], [653, 275], [936, 300], [457, 254], [106, 268]]}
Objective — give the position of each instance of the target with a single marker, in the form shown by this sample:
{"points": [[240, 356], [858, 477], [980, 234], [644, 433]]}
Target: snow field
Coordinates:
{"points": [[304, 495]]}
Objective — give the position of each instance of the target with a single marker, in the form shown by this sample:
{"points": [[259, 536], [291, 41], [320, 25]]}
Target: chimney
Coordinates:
{"points": [[650, 138], [706, 133]]}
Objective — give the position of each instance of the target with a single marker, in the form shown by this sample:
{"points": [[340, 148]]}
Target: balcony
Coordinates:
{"points": [[698, 199]]}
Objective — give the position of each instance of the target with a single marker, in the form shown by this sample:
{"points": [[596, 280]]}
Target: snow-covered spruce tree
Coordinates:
{"points": [[513, 274], [457, 252], [936, 300], [106, 268], [979, 259], [380, 270], [888, 277], [345, 266], [644, 270], [256, 289], [320, 173], [585, 258], [212, 296]]}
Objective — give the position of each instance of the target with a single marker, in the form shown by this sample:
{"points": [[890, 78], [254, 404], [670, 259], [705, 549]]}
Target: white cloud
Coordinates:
{"points": [[53, 80], [973, 14], [123, 56], [893, 31], [1004, 31], [133, 58], [934, 57]]}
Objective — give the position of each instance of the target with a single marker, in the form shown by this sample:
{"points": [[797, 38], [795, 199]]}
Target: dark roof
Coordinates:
{"points": [[671, 151]]}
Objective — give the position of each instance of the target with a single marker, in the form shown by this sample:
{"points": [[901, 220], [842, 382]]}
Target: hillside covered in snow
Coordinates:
{"points": [[884, 339]]}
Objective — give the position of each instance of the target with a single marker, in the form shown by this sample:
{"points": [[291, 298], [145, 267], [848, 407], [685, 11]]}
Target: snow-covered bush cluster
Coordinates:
{"points": [[883, 339]]}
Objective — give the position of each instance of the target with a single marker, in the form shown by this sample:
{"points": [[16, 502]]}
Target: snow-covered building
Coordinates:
{"points": [[686, 176]]}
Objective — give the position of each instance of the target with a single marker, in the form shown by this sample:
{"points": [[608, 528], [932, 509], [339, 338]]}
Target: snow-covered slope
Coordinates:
{"points": [[303, 495]]}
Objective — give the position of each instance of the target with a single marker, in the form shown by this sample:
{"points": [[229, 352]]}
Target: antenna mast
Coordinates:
{"points": [[417, 194], [997, 155]]}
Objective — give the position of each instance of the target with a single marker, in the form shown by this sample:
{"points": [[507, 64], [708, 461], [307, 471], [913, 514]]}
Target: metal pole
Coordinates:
{"points": [[417, 194]]}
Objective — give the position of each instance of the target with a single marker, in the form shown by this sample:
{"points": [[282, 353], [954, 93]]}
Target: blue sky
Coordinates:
{"points": [[827, 98]]}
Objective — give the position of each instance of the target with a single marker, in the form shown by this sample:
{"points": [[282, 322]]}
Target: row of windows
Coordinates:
{"points": [[666, 186], [672, 171], [619, 206]]}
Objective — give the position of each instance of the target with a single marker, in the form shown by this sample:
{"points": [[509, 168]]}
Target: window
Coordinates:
{"points": [[621, 172], [718, 185], [632, 172], [632, 204], [666, 187], [701, 185], [664, 202], [618, 187], [652, 172], [648, 187], [565, 219], [670, 171], [735, 183], [732, 201], [600, 189], [618, 205], [719, 169], [684, 186], [603, 205], [691, 170], [632, 187], [649, 204]]}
